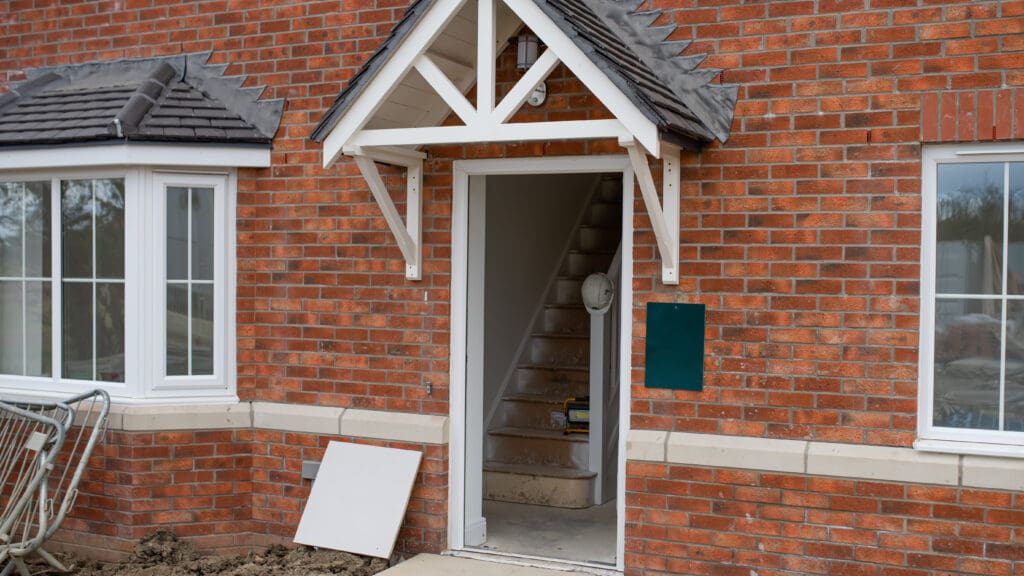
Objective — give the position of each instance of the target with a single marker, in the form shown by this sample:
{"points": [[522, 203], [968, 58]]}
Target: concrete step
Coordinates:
{"points": [[546, 379], [537, 447], [532, 411], [559, 350], [542, 485], [565, 319]]}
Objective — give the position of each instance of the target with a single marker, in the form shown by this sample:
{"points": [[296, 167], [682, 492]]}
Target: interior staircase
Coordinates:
{"points": [[527, 456]]}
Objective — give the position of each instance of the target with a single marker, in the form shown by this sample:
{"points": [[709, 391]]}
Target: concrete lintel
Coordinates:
{"points": [[185, 417], [714, 450], [993, 473], [646, 445], [882, 463], [297, 417], [396, 426]]}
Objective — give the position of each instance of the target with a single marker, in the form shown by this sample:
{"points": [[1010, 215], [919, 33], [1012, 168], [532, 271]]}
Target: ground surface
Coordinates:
{"points": [[164, 555], [585, 535]]}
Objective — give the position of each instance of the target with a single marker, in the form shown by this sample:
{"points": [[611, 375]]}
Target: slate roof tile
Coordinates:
{"points": [[158, 99]]}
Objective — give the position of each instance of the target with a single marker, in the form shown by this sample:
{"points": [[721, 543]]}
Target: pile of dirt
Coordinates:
{"points": [[162, 554]]}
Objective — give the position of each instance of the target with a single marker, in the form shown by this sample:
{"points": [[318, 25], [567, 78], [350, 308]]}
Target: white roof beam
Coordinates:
{"points": [[526, 131], [486, 59], [444, 87], [664, 219], [524, 87]]}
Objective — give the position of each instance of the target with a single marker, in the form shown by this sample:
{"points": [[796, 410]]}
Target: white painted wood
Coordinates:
{"points": [[597, 380], [670, 183], [512, 101], [666, 248], [461, 171], [625, 358], [414, 218], [448, 92], [487, 132], [410, 247], [451, 65], [457, 361], [388, 76], [476, 524], [645, 131], [486, 28], [359, 498], [390, 155], [152, 155]]}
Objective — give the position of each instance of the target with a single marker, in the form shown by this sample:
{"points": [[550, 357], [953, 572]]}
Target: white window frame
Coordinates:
{"points": [[930, 437], [145, 290]]}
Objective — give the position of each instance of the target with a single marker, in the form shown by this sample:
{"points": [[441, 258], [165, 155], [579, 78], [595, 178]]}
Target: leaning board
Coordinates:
{"points": [[359, 499]]}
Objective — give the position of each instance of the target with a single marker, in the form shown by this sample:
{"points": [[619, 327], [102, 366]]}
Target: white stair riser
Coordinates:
{"points": [[537, 451], [566, 321], [559, 383], [527, 414], [560, 351]]}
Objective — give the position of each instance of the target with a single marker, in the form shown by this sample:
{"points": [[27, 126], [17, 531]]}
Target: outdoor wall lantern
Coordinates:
{"points": [[526, 54]]}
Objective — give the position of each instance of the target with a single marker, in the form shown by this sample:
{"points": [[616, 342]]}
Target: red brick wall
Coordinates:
{"points": [[686, 520], [801, 235]]}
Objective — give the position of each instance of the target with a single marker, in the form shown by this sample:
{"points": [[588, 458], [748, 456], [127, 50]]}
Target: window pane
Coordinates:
{"points": [[11, 237], [11, 345], [109, 332], [202, 233], [967, 352], [37, 229], [177, 330], [76, 228], [177, 233], [38, 332], [969, 229], [76, 352], [109, 228], [1015, 258], [202, 329]]}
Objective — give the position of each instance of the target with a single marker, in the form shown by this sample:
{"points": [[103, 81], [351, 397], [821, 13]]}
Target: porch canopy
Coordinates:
{"points": [[660, 101]]}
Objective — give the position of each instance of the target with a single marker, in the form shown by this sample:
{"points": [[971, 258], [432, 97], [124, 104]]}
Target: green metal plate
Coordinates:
{"points": [[675, 346]]}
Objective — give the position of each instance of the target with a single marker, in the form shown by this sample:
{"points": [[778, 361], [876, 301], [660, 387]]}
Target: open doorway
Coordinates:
{"points": [[542, 432]]}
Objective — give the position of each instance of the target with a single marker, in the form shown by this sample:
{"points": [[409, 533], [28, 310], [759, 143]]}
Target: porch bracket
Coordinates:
{"points": [[409, 234], [664, 214]]}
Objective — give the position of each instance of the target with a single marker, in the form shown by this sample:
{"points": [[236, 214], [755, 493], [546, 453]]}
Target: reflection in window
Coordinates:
{"points": [[25, 279], [979, 306], [190, 281], [92, 284]]}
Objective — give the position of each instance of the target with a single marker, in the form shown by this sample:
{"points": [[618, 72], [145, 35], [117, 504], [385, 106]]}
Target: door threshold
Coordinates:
{"points": [[536, 562]]}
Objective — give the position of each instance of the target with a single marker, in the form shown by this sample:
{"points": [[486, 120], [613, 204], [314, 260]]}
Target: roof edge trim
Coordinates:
{"points": [[120, 153]]}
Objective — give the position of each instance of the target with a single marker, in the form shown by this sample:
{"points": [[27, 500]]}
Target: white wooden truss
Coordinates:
{"points": [[361, 134]]}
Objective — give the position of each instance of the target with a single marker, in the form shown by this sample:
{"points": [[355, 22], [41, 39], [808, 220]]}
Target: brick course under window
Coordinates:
{"points": [[801, 235]]}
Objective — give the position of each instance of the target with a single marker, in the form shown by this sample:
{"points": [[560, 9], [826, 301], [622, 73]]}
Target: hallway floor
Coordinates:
{"points": [[586, 535]]}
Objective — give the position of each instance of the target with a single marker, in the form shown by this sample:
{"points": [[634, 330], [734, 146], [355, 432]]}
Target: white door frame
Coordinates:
{"points": [[461, 429]]}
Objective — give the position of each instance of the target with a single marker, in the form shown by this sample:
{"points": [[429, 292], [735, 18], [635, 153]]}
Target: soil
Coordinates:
{"points": [[162, 554]]}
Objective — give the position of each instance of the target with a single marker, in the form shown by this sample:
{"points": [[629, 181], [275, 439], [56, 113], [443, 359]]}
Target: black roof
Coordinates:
{"points": [[172, 99], [668, 88]]}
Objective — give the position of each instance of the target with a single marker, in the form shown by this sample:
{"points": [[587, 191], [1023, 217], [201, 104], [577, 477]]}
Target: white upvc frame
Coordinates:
{"points": [[934, 438], [158, 382], [463, 428], [89, 157], [140, 197]]}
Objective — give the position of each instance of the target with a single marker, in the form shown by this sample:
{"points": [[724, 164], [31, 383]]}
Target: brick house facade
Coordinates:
{"points": [[801, 235]]}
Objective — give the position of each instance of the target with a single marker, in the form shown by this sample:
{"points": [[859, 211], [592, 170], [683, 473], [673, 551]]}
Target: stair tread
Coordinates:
{"points": [[538, 470], [561, 335], [539, 433], [537, 398], [543, 366]]}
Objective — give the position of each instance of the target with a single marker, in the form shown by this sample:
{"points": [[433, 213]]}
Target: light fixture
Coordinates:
{"points": [[526, 54]]}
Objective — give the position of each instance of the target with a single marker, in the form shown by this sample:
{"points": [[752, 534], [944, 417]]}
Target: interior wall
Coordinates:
{"points": [[529, 220]]}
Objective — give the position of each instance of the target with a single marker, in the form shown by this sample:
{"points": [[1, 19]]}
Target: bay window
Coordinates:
{"points": [[972, 300], [116, 279]]}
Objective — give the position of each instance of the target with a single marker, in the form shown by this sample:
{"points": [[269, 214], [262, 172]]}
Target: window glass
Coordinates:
{"points": [[25, 344], [92, 229], [969, 228], [190, 281]]}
